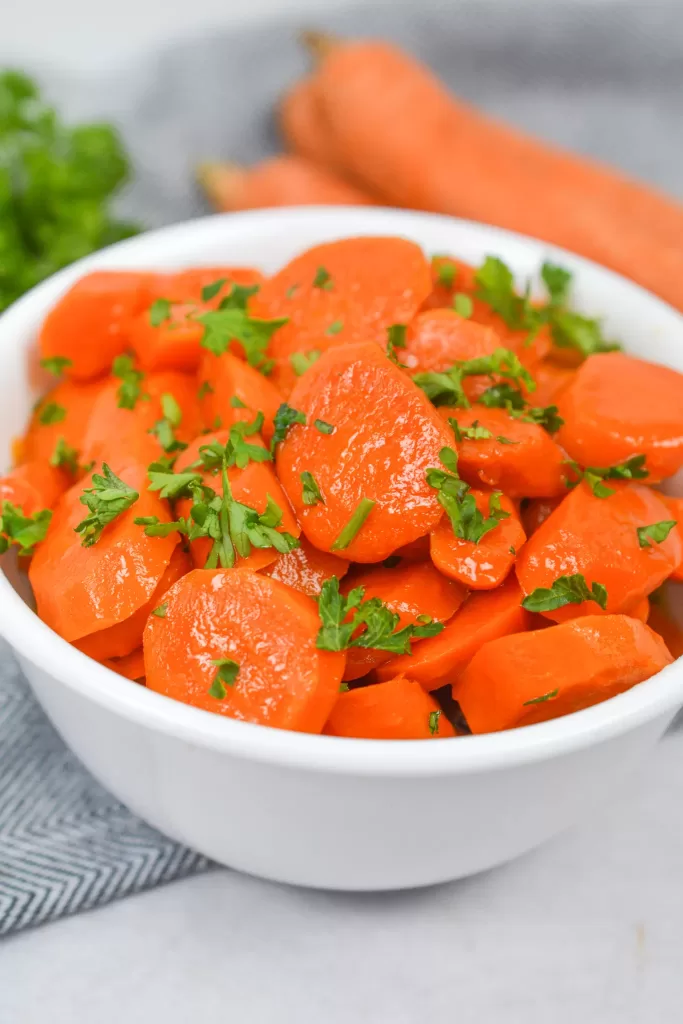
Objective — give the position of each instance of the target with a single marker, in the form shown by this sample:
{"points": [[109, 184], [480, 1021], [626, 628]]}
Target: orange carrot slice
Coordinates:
{"points": [[131, 666], [232, 391], [535, 513], [675, 506], [440, 337], [398, 709], [483, 565], [32, 486], [306, 569], [62, 414]]}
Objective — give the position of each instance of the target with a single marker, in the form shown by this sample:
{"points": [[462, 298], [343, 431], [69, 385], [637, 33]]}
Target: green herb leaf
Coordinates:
{"points": [[655, 532], [232, 323], [572, 330], [237, 403], [237, 451], [225, 676], [335, 327], [474, 433], [443, 388], [56, 364], [160, 612], [324, 428], [434, 717], [206, 389], [238, 296], [323, 280], [557, 281], [51, 413], [457, 500], [65, 457], [108, 498], [154, 527], [130, 390], [545, 416], [160, 312], [210, 291], [169, 484], [445, 270], [164, 428], [302, 361], [630, 469], [463, 305], [542, 699], [565, 590], [343, 687], [396, 338], [495, 287], [285, 417], [311, 492], [292, 290], [25, 532], [350, 531]]}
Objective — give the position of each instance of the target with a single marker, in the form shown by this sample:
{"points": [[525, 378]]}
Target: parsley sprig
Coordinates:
{"points": [[594, 476], [446, 388], [22, 531], [164, 429], [565, 590], [655, 533], [456, 498], [108, 497]]}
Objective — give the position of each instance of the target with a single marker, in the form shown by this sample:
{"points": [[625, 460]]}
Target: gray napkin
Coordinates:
{"points": [[602, 79]]}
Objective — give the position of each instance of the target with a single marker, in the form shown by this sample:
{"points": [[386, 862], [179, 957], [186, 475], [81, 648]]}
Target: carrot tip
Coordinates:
{"points": [[221, 182], [318, 44]]}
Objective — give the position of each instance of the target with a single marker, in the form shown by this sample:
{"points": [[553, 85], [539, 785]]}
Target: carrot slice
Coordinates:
{"points": [[415, 551], [306, 569], [398, 709], [535, 513], [484, 565], [411, 591], [80, 590], [550, 380], [89, 323], [533, 677], [238, 617], [675, 506], [485, 615], [518, 458], [384, 435], [618, 406], [131, 666], [598, 538], [283, 180], [32, 486], [440, 337], [641, 610], [126, 636], [232, 391], [449, 277], [62, 413], [251, 486], [338, 292]]}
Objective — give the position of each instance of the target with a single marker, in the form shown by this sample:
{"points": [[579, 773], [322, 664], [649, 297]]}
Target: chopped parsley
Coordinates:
{"points": [[463, 305], [226, 674], [237, 403], [655, 533], [231, 322], [324, 428], [445, 271], [210, 291], [323, 280], [302, 361], [160, 612], [565, 590], [311, 492], [285, 417], [594, 476], [65, 457], [434, 717], [160, 312], [335, 327], [51, 413], [446, 388], [56, 365], [456, 498], [25, 532], [237, 451], [396, 338], [205, 389], [352, 528], [542, 699], [108, 498], [164, 429], [130, 389]]}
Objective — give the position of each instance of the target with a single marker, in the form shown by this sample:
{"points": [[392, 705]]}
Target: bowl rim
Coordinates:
{"points": [[47, 652]]}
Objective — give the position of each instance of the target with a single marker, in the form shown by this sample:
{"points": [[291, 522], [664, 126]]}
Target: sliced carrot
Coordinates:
{"points": [[266, 629], [80, 590], [598, 538], [411, 591], [533, 677], [232, 391], [550, 380], [484, 565], [112, 428], [379, 436], [535, 513], [251, 486], [675, 506], [187, 285], [131, 666], [440, 337], [518, 458], [449, 277], [618, 406], [33, 486], [306, 569], [89, 323], [339, 292], [126, 636], [398, 709], [283, 180], [485, 615], [415, 551], [641, 610], [62, 413]]}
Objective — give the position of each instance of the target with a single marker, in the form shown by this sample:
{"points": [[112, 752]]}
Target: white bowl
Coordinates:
{"points": [[317, 810]]}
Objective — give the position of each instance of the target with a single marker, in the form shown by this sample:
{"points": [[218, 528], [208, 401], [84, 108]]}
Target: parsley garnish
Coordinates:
{"points": [[474, 433], [558, 283], [232, 323], [324, 428], [311, 492], [106, 499], [237, 451], [237, 403], [446, 272], [51, 413], [169, 484], [463, 305], [160, 312], [160, 612], [655, 532], [210, 291], [361, 513], [572, 330], [456, 498], [630, 469], [284, 418], [23, 531], [205, 389], [292, 290], [56, 365], [496, 287], [65, 457], [565, 590], [542, 699], [130, 389], [335, 327], [302, 361], [323, 280], [164, 428], [341, 617], [447, 389], [226, 675], [434, 717], [396, 338]]}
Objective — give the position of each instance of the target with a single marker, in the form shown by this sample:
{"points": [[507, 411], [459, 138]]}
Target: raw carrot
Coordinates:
{"points": [[33, 486], [80, 589], [598, 539], [617, 407], [438, 338], [280, 181], [398, 709], [379, 435], [344, 291], [89, 324], [411, 591], [535, 512], [400, 132], [302, 125], [232, 391], [306, 569], [516, 457], [532, 677], [63, 413], [485, 615], [240, 644], [131, 666], [126, 636], [485, 564]]}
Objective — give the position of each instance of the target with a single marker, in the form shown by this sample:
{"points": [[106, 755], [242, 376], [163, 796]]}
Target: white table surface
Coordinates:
{"points": [[589, 929]]}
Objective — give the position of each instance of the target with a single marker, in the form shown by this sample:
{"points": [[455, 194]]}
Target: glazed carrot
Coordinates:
{"points": [[81, 589], [385, 112], [306, 569], [63, 413], [535, 513], [88, 325], [485, 564], [485, 615], [339, 292], [32, 486], [450, 276], [251, 486], [641, 610], [280, 181], [240, 644], [232, 391], [126, 636], [440, 337], [415, 551], [675, 506], [131, 666], [532, 677], [175, 342], [411, 591], [379, 435], [114, 427], [598, 539], [550, 380], [398, 709], [516, 457], [618, 406]]}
